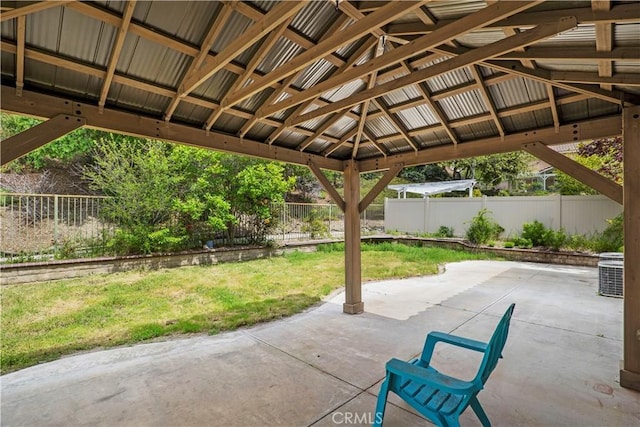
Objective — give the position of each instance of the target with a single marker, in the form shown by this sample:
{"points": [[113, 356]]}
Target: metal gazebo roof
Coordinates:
{"points": [[433, 188]]}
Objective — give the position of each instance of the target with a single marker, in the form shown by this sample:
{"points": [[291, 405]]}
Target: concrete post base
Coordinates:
{"points": [[630, 379], [356, 308]]}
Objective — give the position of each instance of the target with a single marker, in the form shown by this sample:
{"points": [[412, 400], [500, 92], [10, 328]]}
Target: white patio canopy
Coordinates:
{"points": [[432, 188]]}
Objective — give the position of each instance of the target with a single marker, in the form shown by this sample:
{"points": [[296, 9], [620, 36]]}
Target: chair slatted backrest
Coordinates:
{"points": [[496, 345]]}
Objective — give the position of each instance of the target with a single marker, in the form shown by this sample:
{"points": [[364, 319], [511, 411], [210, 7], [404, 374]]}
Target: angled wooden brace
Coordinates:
{"points": [[327, 185]]}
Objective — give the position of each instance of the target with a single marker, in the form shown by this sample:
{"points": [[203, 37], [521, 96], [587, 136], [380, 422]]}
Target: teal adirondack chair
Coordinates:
{"points": [[439, 397]]}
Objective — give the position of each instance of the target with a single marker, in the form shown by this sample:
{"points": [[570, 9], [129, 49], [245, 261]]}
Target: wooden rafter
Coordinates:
{"points": [[604, 40], [215, 28], [115, 52], [355, 57], [488, 100], [622, 13], [554, 107], [37, 136], [30, 8], [595, 78], [470, 57], [345, 138], [353, 32], [590, 129], [265, 47], [45, 106], [620, 53], [21, 34], [396, 123], [593, 179], [285, 86], [402, 53], [280, 13], [322, 129]]}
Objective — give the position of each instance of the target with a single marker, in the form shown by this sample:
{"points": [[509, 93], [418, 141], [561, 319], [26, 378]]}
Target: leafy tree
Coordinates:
{"points": [[601, 155], [425, 173], [490, 170], [66, 148]]}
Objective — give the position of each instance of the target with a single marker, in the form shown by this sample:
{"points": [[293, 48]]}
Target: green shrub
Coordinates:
{"points": [[483, 228], [523, 242], [315, 225], [612, 238], [509, 245], [535, 232], [444, 231]]}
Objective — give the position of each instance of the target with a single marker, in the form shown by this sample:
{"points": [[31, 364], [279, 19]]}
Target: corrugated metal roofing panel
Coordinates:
{"points": [[283, 51], [627, 34], [236, 25], [282, 115], [315, 18], [626, 66], [450, 79], [481, 38], [465, 104], [189, 21], [253, 103], [573, 112], [476, 131], [217, 86], [152, 62], [43, 28], [263, 5], [520, 122], [401, 95], [349, 49], [229, 123], [8, 29], [569, 66], [341, 127], [518, 91], [344, 91], [290, 138], [581, 35], [433, 138], [113, 5], [544, 118], [191, 113], [380, 126], [417, 117], [85, 38], [446, 9], [137, 99], [314, 73], [7, 64], [598, 107], [260, 131]]}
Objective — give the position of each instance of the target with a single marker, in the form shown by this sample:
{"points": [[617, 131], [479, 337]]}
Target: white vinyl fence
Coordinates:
{"points": [[575, 214]]}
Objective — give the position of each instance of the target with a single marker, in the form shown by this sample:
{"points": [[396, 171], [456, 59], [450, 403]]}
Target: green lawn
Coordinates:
{"points": [[43, 321]]}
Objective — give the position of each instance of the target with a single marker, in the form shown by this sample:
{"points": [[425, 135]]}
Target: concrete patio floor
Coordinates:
{"points": [[323, 367]]}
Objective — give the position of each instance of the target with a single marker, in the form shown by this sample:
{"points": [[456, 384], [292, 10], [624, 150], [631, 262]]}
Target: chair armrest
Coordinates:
{"points": [[429, 377], [435, 337], [458, 341]]}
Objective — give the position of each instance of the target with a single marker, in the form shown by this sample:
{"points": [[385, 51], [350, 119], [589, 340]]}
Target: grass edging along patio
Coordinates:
{"points": [[12, 274]]}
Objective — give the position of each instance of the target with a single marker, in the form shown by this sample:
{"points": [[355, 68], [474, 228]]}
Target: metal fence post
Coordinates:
{"points": [[330, 232], [55, 223]]}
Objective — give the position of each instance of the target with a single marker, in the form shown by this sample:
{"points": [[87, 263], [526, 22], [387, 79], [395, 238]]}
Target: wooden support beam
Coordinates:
{"points": [[115, 52], [322, 129], [620, 54], [326, 184], [45, 106], [380, 185], [21, 34], [630, 370], [342, 141], [574, 132], [604, 40], [264, 50], [352, 266], [554, 107], [396, 123], [353, 32], [215, 28], [621, 14], [280, 13], [470, 57], [574, 169], [475, 71], [464, 25], [37, 136], [594, 78], [30, 7]]}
